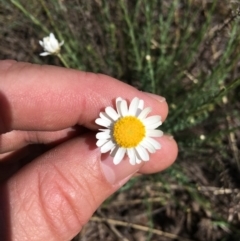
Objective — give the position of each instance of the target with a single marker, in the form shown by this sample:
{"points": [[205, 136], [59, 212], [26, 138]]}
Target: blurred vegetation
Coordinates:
{"points": [[185, 50]]}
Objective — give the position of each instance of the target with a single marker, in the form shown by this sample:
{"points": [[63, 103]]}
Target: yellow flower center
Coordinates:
{"points": [[128, 131]]}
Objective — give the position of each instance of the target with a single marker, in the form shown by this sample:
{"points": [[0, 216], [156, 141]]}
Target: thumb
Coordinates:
{"points": [[54, 196]]}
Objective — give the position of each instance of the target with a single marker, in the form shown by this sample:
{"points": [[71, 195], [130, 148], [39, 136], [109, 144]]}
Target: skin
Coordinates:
{"points": [[55, 191]]}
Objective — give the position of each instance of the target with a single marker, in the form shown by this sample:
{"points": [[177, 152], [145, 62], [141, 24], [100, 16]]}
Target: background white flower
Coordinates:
{"points": [[50, 45], [129, 131]]}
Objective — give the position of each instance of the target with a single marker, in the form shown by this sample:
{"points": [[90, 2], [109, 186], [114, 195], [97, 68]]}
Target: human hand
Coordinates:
{"points": [[54, 195]]}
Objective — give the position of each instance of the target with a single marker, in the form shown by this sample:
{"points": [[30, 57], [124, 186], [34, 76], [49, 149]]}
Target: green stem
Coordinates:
{"points": [[151, 73], [148, 41], [63, 60], [217, 97], [51, 20], [21, 8], [132, 35]]}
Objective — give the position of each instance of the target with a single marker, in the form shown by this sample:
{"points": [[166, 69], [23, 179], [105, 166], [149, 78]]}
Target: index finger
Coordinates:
{"points": [[48, 98]]}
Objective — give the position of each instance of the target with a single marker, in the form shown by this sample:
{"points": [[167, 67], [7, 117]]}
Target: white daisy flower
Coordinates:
{"points": [[128, 131], [50, 45]]}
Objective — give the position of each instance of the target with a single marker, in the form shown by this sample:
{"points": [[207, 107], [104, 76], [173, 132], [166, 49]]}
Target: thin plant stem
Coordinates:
{"points": [[64, 62], [217, 97], [149, 34], [132, 35], [29, 15], [50, 19]]}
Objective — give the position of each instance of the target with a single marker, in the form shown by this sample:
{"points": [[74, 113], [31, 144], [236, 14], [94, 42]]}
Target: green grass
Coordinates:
{"points": [[186, 51]]}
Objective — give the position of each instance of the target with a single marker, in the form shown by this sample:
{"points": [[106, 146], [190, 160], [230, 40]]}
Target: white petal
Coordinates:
{"points": [[133, 106], [118, 103], [44, 54], [123, 108], [141, 104], [153, 142], [144, 113], [104, 116], [154, 126], [41, 43], [103, 122], [107, 146], [103, 135], [152, 120], [119, 155], [101, 142], [52, 39], [119, 99], [112, 113], [52, 36], [138, 161], [140, 107], [61, 43], [147, 145], [53, 46], [132, 161], [114, 151], [132, 156], [47, 46], [143, 154], [154, 133], [54, 43]]}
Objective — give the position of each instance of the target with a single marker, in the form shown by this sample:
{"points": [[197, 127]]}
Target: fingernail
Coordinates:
{"points": [[157, 97], [118, 174]]}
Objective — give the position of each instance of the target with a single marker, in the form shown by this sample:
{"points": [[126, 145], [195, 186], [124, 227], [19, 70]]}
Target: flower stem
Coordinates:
{"points": [[63, 60]]}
